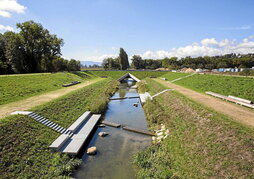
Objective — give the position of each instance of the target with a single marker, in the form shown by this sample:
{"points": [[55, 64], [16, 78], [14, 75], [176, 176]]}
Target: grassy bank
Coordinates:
{"points": [[138, 74], [17, 87], [201, 144], [174, 75], [24, 142], [226, 85]]}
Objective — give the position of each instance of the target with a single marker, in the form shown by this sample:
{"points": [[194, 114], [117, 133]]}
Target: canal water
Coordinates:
{"points": [[115, 151]]}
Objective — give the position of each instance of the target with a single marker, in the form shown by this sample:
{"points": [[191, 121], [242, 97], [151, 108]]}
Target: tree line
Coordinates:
{"points": [[31, 50], [174, 63], [119, 63]]}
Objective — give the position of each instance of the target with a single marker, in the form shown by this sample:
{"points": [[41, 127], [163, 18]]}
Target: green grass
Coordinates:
{"points": [[202, 143], [174, 75], [24, 142], [17, 87], [138, 74], [226, 85]]}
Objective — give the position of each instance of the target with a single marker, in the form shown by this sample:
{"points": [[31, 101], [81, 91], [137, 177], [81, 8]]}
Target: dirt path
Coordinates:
{"points": [[28, 103], [239, 113]]}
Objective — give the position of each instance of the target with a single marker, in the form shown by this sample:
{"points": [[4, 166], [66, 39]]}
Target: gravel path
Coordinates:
{"points": [[28, 103], [239, 113]]}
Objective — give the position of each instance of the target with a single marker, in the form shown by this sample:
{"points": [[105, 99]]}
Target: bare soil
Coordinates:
{"points": [[28, 103], [239, 113]]}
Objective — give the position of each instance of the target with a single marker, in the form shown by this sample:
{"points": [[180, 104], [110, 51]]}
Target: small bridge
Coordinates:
{"points": [[128, 75]]}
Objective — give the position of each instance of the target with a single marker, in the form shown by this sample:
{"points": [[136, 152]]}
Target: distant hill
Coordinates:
{"points": [[87, 63]]}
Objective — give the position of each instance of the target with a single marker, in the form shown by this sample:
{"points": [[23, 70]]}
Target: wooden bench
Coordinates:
{"points": [[72, 83]]}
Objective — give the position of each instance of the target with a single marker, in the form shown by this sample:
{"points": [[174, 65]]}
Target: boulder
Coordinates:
{"points": [[159, 138], [102, 134], [160, 134], [91, 151]]}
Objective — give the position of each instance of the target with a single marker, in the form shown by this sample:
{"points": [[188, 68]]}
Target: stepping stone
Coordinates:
{"points": [[102, 134], [91, 151]]}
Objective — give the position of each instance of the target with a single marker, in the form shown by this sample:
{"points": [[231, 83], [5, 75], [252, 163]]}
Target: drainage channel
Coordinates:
{"points": [[115, 151]]}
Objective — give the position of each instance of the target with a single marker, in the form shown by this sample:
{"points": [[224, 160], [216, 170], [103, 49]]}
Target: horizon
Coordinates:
{"points": [[154, 30]]}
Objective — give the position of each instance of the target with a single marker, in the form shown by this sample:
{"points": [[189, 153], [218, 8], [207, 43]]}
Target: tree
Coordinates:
{"points": [[137, 62], [60, 64], [111, 63], [15, 52], [73, 65], [39, 46], [123, 60]]}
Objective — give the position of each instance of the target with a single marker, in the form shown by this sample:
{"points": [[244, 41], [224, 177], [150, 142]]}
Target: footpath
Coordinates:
{"points": [[34, 101], [236, 112]]}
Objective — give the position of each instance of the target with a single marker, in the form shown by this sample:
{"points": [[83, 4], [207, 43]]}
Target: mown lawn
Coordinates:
{"points": [[174, 75], [226, 85], [24, 142], [138, 74], [17, 87], [201, 144]]}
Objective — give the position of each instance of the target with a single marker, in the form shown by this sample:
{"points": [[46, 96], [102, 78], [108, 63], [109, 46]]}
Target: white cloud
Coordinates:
{"points": [[208, 42], [101, 58], [206, 47], [5, 14], [5, 28], [9, 6], [114, 48]]}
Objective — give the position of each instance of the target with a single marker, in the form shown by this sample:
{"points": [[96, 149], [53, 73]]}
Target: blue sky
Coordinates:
{"points": [[95, 29]]}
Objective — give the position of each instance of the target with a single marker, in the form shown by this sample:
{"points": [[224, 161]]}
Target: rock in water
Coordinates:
{"points": [[135, 104], [91, 151], [101, 125], [102, 134]]}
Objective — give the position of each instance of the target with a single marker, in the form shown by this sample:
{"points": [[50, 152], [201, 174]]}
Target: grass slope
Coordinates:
{"points": [[201, 144], [24, 142], [226, 85], [17, 87], [174, 75], [118, 74]]}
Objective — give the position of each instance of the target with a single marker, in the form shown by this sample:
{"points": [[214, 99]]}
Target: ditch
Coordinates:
{"points": [[115, 151]]}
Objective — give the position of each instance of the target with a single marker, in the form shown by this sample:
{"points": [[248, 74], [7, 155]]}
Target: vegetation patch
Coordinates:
{"points": [[24, 142], [17, 87], [226, 85], [201, 144]]}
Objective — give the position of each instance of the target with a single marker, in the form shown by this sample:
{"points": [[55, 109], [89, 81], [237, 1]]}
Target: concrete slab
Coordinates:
{"points": [[22, 112], [59, 142], [79, 121], [78, 140], [144, 97]]}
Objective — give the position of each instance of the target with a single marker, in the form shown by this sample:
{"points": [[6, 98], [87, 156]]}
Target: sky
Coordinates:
{"points": [[95, 29]]}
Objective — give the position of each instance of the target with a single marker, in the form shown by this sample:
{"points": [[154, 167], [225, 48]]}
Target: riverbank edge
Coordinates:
{"points": [[170, 158], [24, 142]]}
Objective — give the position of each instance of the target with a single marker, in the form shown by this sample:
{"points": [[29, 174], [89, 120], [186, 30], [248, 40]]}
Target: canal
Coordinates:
{"points": [[115, 151]]}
